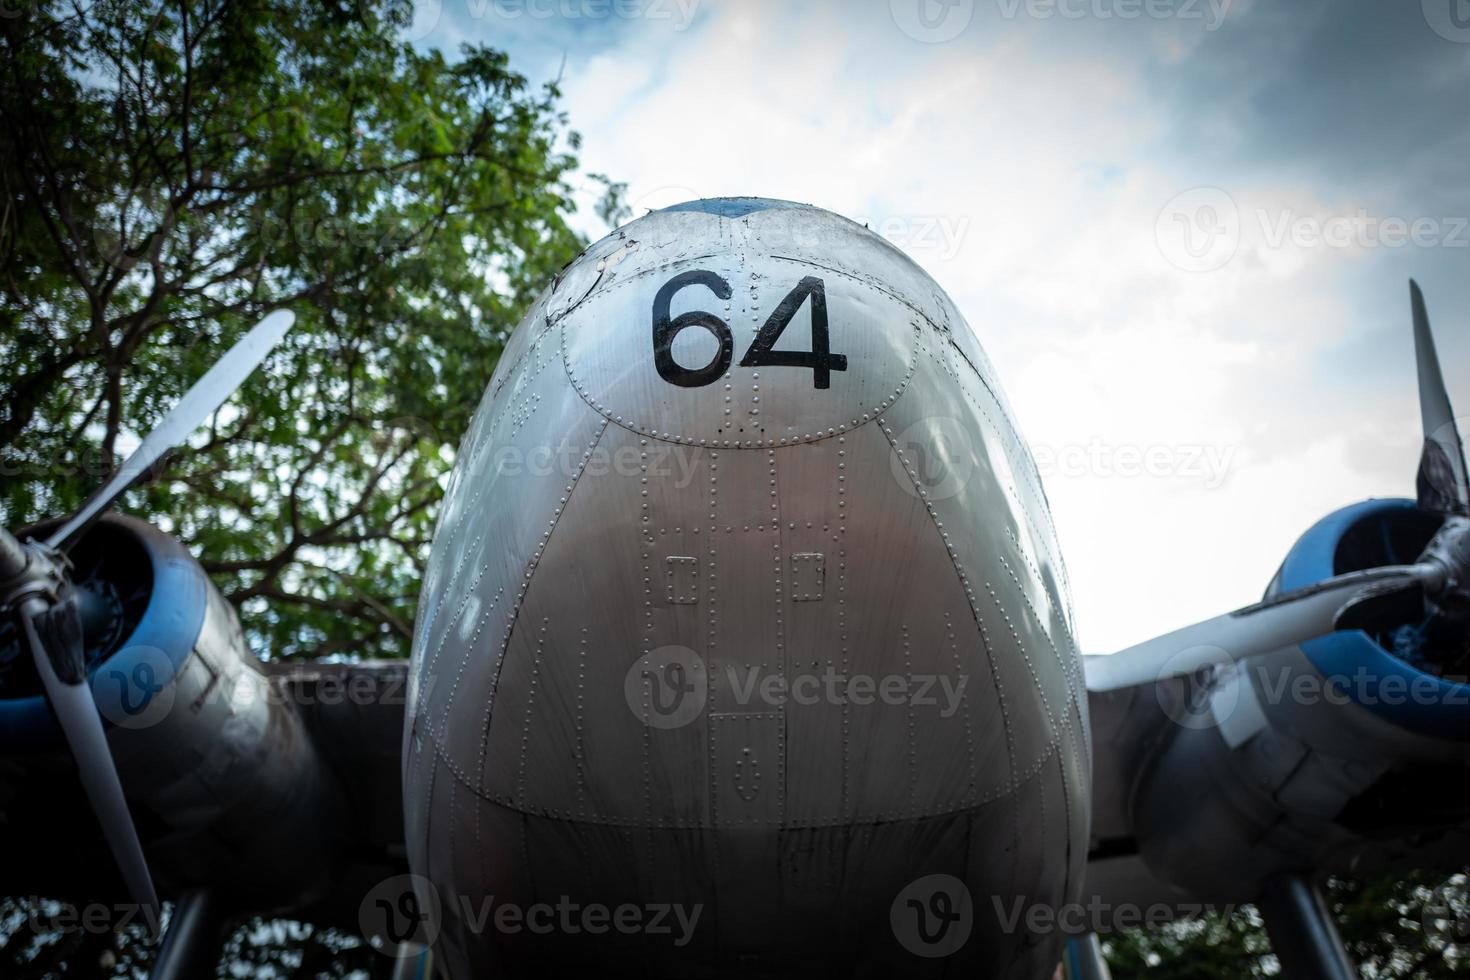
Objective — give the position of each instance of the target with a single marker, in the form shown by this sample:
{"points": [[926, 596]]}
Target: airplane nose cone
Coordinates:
{"points": [[714, 324], [813, 656]]}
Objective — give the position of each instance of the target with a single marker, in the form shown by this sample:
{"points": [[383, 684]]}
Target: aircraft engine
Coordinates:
{"points": [[216, 766], [1347, 753]]}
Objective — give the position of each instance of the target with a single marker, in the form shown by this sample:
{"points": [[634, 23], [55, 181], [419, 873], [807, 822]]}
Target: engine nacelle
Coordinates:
{"points": [[1350, 753], [216, 765]]}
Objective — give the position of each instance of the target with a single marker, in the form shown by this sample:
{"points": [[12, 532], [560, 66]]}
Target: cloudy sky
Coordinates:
{"points": [[1182, 229]]}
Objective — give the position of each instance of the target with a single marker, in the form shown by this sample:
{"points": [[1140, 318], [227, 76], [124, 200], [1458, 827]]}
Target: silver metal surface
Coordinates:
{"points": [[1443, 485], [1278, 622], [197, 405], [1086, 961], [77, 714], [609, 535]]}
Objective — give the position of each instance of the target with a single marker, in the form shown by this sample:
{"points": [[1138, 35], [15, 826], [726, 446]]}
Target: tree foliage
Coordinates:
{"points": [[173, 172], [1415, 926]]}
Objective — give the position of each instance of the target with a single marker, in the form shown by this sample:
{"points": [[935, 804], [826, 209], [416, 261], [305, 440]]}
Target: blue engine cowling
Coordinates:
{"points": [[1397, 673], [158, 598], [223, 780], [1347, 754]]}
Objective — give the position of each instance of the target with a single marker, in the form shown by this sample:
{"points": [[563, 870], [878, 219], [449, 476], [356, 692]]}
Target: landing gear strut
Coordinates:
{"points": [[1302, 932]]}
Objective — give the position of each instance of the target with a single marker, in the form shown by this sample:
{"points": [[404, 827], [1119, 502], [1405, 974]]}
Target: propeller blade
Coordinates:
{"points": [[1441, 483], [77, 712], [1281, 621], [197, 405]]}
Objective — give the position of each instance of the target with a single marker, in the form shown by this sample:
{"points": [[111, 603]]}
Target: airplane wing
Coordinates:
{"points": [[1320, 731], [271, 788], [316, 863]]}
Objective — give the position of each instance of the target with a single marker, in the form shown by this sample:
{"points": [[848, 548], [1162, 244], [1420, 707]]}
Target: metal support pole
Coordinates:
{"points": [[1302, 932], [413, 963], [192, 944], [1084, 958]]}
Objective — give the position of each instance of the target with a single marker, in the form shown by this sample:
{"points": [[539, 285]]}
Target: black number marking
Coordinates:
{"points": [[822, 362], [762, 352], [665, 330]]}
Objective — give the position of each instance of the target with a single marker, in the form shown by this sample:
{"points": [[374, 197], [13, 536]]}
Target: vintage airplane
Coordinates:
{"points": [[745, 649]]}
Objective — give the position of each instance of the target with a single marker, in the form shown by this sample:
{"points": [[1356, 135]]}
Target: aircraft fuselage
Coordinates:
{"points": [[745, 604]]}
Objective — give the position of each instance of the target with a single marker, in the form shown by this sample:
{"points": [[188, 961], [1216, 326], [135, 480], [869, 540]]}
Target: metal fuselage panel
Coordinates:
{"points": [[723, 626]]}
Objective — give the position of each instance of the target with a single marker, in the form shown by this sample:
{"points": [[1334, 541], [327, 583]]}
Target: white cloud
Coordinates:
{"points": [[1043, 153]]}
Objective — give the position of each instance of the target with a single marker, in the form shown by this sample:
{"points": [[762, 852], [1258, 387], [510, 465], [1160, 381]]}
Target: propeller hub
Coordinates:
{"points": [[44, 574], [1450, 551]]}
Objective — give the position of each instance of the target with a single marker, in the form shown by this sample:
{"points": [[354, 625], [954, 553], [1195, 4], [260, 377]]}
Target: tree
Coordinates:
{"points": [[1403, 926], [173, 172]]}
